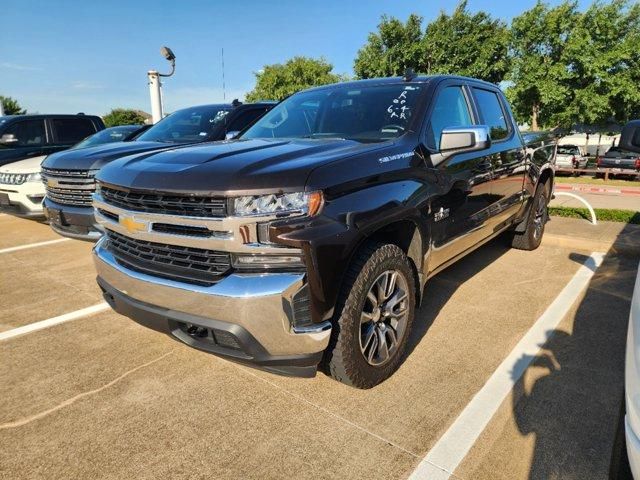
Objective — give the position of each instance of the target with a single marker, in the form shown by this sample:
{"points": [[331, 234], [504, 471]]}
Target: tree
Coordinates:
{"points": [[123, 116], [573, 68], [602, 56], [540, 81], [465, 44], [461, 43], [11, 106], [394, 48], [278, 81]]}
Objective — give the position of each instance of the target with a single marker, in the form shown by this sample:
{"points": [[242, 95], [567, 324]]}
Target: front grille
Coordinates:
{"points": [[183, 264], [69, 187], [164, 203]]}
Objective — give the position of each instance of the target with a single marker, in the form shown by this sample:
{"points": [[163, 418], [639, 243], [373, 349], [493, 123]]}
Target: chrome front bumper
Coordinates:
{"points": [[259, 304]]}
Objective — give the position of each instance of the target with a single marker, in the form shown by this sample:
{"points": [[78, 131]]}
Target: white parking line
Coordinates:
{"points": [[33, 245], [32, 327], [445, 456]]}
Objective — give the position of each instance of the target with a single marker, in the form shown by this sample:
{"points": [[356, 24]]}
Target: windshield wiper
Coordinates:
{"points": [[323, 135]]}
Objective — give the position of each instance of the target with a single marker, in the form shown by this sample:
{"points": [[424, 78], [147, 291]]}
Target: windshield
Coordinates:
{"points": [[568, 150], [371, 114], [190, 125], [109, 135]]}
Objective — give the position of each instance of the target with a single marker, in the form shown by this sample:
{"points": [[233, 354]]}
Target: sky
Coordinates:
{"points": [[70, 56]]}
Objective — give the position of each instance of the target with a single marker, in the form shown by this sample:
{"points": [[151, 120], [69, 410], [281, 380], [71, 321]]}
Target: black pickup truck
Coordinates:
{"points": [[69, 175], [308, 240]]}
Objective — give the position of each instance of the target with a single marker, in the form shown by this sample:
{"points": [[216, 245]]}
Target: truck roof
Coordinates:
{"points": [[395, 80]]}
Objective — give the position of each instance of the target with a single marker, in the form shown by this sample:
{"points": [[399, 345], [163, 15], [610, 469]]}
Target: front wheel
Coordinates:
{"points": [[374, 317]]}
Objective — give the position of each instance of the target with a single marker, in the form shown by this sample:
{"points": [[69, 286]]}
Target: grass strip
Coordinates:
{"points": [[602, 214]]}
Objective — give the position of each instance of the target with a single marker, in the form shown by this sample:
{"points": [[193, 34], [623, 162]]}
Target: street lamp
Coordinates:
{"points": [[155, 86]]}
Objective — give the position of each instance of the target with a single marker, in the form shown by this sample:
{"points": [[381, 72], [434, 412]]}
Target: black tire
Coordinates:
{"points": [[345, 359], [536, 220]]}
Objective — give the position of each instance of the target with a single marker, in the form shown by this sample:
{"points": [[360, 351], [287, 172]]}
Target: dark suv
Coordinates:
{"points": [[27, 136], [69, 175]]}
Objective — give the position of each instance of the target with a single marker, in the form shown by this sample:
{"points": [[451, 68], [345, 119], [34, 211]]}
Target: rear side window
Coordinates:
{"points": [[492, 113], [27, 133], [450, 110], [72, 130]]}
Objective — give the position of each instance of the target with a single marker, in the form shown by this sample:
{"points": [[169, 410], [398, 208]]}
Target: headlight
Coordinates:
{"points": [[34, 177], [289, 203]]}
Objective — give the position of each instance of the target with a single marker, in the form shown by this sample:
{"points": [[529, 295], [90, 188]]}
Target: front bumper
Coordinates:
{"points": [[24, 200], [244, 317], [72, 222]]}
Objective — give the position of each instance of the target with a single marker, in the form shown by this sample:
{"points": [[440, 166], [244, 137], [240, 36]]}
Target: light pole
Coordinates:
{"points": [[155, 86]]}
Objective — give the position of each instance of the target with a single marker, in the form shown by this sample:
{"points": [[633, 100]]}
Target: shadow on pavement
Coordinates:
{"points": [[441, 288], [574, 408]]}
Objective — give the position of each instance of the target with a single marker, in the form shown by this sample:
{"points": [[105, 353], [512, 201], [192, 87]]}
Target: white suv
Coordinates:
{"points": [[21, 188]]}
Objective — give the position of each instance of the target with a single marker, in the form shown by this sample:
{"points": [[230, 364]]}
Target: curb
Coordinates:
{"points": [[588, 245], [597, 189]]}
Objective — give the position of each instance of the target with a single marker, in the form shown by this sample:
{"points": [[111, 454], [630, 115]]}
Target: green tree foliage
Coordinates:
{"points": [[603, 58], [11, 106], [393, 48], [278, 81], [473, 45], [539, 78], [123, 116], [571, 67], [461, 43]]}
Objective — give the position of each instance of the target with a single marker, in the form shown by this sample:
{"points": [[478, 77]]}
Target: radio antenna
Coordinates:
{"points": [[224, 92]]}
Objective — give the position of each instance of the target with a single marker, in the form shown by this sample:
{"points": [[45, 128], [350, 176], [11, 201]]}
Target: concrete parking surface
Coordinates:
{"points": [[101, 397]]}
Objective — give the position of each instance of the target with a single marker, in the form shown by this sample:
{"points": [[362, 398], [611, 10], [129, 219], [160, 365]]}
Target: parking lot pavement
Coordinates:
{"points": [[16, 231], [561, 418], [46, 281], [102, 397]]}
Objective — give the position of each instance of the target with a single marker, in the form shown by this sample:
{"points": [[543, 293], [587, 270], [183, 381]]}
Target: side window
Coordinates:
{"points": [[492, 113], [245, 119], [27, 133], [72, 130], [450, 110]]}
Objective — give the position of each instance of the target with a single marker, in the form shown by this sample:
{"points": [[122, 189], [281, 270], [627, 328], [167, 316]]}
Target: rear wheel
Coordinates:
{"points": [[536, 220], [374, 317]]}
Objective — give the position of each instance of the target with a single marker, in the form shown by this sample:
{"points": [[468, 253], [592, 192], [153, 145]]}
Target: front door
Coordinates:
{"points": [[460, 214]]}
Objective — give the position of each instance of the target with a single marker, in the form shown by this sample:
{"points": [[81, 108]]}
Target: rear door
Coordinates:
{"points": [[459, 215], [506, 155]]}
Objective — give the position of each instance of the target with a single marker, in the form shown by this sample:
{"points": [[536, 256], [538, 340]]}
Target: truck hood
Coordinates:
{"points": [[232, 167], [95, 157], [30, 165]]}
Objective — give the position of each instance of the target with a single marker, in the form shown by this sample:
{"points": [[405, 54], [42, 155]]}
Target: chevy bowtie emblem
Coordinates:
{"points": [[132, 225], [52, 182]]}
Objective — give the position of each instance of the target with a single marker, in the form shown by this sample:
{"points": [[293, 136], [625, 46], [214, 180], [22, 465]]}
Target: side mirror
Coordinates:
{"points": [[630, 138], [464, 139], [231, 135], [8, 139]]}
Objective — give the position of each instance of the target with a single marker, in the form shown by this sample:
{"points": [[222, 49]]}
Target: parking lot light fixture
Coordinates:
{"points": [[155, 86]]}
